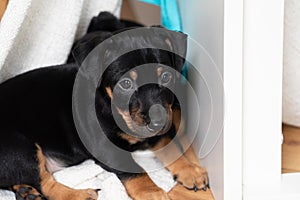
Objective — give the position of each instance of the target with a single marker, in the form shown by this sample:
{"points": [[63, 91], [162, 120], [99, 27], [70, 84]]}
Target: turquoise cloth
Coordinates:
{"points": [[170, 15]]}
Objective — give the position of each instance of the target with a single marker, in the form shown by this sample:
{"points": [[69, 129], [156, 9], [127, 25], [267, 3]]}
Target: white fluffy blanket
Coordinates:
{"points": [[90, 175], [35, 33]]}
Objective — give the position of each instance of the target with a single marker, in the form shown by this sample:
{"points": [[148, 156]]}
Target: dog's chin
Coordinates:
{"points": [[144, 132], [164, 130]]}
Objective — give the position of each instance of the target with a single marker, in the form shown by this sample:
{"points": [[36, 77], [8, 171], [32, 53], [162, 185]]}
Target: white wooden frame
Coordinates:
{"points": [[218, 26], [245, 38], [251, 55], [233, 90], [262, 104]]}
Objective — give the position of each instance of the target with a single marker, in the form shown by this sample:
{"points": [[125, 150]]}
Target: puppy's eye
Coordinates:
{"points": [[126, 84], [166, 77]]}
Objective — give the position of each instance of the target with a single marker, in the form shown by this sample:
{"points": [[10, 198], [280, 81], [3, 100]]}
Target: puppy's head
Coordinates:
{"points": [[142, 96], [140, 83]]}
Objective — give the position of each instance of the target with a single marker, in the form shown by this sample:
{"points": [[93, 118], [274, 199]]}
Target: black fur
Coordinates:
{"points": [[36, 107]]}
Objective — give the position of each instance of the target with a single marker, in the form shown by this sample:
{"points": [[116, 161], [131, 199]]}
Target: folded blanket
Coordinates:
{"points": [[90, 175], [36, 33]]}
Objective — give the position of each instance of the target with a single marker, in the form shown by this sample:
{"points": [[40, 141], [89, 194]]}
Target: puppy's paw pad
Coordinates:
{"points": [[26, 192]]}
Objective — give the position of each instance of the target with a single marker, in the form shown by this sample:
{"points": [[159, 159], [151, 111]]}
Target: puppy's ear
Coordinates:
{"points": [[86, 44], [177, 43], [105, 21]]}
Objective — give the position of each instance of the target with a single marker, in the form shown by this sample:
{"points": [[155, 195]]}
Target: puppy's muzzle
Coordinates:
{"points": [[158, 118]]}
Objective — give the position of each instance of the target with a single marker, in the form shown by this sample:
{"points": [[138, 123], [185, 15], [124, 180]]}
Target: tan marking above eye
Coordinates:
{"points": [[109, 92], [159, 71], [168, 41], [133, 75]]}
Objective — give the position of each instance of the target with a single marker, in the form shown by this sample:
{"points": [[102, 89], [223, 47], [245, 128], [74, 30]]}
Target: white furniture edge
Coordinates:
{"points": [[262, 104], [233, 90]]}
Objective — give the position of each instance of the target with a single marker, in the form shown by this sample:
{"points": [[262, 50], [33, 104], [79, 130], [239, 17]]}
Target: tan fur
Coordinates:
{"points": [[57, 191], [159, 71], [188, 174], [176, 118], [137, 117], [186, 168], [109, 92], [3, 5], [143, 188], [30, 191], [162, 143], [130, 139], [179, 126], [191, 156], [133, 75], [127, 118], [168, 41]]}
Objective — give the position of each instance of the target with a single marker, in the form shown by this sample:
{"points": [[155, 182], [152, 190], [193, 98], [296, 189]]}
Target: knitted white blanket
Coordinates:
{"points": [[90, 175], [35, 33]]}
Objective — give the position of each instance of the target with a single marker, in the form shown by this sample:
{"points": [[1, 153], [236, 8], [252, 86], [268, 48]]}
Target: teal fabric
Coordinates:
{"points": [[170, 16], [155, 2]]}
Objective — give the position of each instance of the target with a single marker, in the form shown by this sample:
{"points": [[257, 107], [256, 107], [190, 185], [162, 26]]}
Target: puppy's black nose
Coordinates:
{"points": [[158, 118]]}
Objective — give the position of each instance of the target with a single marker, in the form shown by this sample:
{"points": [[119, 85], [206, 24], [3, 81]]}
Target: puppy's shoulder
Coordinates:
{"points": [[42, 78]]}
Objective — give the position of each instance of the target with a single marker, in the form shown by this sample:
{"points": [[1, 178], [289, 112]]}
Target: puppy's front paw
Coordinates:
{"points": [[192, 177], [154, 193]]}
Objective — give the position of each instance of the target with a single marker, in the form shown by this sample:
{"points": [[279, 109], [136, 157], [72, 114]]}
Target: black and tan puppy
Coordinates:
{"points": [[38, 135]]}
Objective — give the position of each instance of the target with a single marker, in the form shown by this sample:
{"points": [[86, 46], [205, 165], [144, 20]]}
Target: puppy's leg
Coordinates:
{"points": [[19, 165], [141, 187], [57, 191], [179, 126], [23, 170], [136, 182], [190, 175], [189, 154]]}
